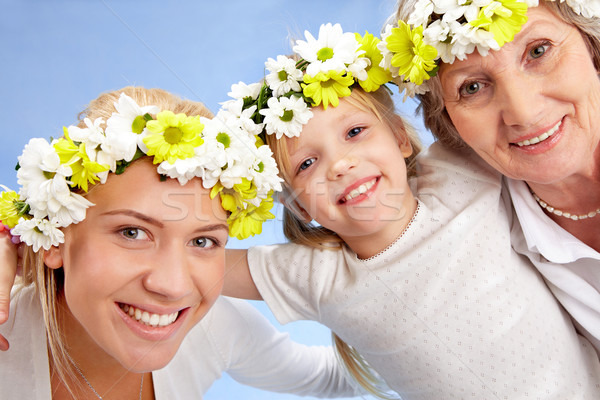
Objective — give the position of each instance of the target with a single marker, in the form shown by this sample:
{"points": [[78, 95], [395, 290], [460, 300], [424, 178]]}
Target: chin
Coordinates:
{"points": [[149, 358]]}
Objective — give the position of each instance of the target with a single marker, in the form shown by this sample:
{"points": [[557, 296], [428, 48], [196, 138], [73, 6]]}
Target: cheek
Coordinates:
{"points": [[474, 127], [209, 278]]}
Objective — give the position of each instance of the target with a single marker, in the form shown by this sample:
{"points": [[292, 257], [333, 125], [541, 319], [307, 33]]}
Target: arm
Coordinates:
{"points": [[238, 281], [8, 270], [267, 359]]}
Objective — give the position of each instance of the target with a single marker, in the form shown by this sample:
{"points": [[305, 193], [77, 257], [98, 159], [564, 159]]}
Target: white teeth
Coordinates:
{"points": [[540, 138], [362, 189], [149, 318]]}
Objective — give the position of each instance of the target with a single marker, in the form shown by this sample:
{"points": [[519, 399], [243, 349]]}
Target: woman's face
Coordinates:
{"points": [[531, 109], [143, 267]]}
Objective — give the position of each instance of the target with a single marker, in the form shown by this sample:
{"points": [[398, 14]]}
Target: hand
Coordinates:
{"points": [[8, 270]]}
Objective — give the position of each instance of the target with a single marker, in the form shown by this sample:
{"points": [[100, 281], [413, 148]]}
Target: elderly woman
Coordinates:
{"points": [[519, 85]]}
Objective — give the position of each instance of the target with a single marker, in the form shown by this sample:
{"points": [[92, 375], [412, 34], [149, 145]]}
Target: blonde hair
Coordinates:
{"points": [[435, 116], [380, 104], [49, 282]]}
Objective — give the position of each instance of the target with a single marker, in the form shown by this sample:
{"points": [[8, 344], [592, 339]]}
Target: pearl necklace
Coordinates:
{"points": [[90, 385], [561, 213]]}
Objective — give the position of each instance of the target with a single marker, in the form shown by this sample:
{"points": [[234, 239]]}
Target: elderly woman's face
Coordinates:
{"points": [[532, 109]]}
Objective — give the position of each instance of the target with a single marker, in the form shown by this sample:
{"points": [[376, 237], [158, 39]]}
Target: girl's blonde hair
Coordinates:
{"points": [[49, 282], [432, 106], [381, 104]]}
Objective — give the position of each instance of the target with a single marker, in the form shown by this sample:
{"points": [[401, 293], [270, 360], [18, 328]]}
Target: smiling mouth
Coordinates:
{"points": [[147, 318], [540, 138], [362, 189]]}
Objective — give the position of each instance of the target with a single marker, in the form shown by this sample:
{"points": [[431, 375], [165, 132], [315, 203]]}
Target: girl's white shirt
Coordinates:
{"points": [[449, 310], [233, 337], [570, 267]]}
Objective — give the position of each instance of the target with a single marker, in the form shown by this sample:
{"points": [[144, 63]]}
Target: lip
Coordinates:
{"points": [[151, 333], [341, 199], [545, 144]]}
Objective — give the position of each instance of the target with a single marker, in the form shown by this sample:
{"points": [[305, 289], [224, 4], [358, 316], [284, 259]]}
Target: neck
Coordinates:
{"points": [[576, 195], [369, 245]]}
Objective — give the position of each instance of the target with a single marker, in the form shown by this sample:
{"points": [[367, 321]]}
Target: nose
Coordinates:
{"points": [[169, 274], [341, 165], [520, 100]]}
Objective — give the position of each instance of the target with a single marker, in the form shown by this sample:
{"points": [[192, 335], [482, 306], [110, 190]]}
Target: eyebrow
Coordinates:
{"points": [[155, 222], [137, 215], [213, 227]]}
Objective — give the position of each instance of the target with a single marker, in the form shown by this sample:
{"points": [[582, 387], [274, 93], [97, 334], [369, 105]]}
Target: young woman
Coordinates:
{"points": [[122, 262]]}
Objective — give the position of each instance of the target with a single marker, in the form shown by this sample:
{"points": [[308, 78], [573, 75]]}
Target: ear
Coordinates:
{"points": [[400, 131], [292, 204], [53, 258]]}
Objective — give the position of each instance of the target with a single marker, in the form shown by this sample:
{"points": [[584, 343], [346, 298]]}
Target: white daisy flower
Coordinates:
{"points": [[286, 116], [333, 50], [231, 140], [479, 38], [55, 200], [183, 170], [386, 61], [234, 174], [241, 90], [283, 75], [358, 68], [410, 89], [264, 171], [233, 112], [586, 8], [39, 163], [121, 140], [422, 12], [39, 233], [91, 136]]}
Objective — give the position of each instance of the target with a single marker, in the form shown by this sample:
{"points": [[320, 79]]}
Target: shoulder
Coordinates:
{"points": [[462, 161], [25, 310]]}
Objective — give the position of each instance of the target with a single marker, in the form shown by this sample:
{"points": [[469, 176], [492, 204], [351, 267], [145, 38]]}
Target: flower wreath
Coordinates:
{"points": [[325, 69], [451, 29], [320, 72], [232, 162]]}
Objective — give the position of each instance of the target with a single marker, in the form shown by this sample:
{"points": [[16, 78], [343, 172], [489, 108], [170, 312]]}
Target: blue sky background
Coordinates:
{"points": [[57, 55]]}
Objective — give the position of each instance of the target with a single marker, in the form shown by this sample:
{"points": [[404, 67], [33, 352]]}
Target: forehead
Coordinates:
{"points": [[141, 188]]}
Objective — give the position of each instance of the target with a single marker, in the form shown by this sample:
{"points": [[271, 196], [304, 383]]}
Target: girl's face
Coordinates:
{"points": [[348, 173], [143, 268], [530, 109]]}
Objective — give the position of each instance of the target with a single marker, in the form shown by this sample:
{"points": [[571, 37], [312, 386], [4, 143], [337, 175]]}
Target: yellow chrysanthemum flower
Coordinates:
{"points": [[84, 170], [235, 198], [66, 149], [413, 58], [174, 136], [377, 75], [244, 223], [327, 88], [503, 18], [9, 210]]}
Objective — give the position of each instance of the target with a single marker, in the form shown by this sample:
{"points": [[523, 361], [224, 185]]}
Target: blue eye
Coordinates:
{"points": [[203, 242], [354, 132], [306, 163]]}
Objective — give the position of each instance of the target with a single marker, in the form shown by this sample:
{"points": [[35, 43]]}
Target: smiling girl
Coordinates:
{"points": [[413, 274]]}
